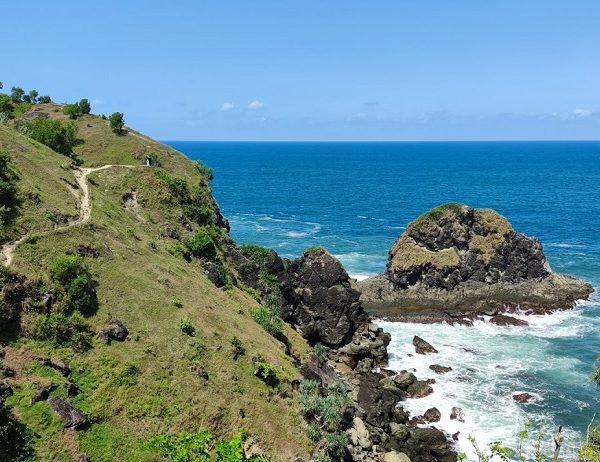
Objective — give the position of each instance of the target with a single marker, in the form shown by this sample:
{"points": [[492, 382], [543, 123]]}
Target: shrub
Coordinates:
{"points": [[238, 348], [266, 372], [178, 187], [201, 446], [205, 171], [200, 214], [7, 186], [320, 351], [185, 324], [72, 110], [57, 135], [60, 329], [201, 245], [75, 283], [44, 99], [117, 122], [6, 106], [65, 268], [268, 318], [324, 412]]}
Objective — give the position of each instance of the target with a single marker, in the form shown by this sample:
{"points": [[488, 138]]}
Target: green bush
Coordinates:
{"points": [[200, 214], [205, 171], [72, 110], [76, 286], [60, 330], [185, 324], [8, 190], [201, 245], [257, 253], [268, 318], [57, 135], [202, 447], [320, 351], [324, 412], [237, 347], [65, 268], [178, 187], [266, 372]]}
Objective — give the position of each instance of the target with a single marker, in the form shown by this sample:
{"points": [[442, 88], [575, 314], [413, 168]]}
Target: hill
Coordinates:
{"points": [[132, 245]]}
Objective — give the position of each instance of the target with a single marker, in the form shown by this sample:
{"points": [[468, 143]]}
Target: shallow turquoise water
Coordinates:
{"points": [[356, 198]]}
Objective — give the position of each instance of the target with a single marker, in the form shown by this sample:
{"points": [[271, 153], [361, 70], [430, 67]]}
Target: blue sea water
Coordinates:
{"points": [[356, 198]]}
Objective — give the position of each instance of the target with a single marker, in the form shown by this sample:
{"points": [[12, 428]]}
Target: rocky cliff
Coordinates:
{"points": [[316, 297], [456, 259]]}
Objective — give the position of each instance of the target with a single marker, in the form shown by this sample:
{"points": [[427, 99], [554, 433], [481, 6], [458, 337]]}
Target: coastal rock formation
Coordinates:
{"points": [[317, 299], [456, 260]]}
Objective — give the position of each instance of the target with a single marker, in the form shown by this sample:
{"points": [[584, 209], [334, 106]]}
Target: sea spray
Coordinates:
{"points": [[492, 363]]}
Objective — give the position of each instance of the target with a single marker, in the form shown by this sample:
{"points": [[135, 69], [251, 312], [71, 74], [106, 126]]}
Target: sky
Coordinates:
{"points": [[316, 69]]}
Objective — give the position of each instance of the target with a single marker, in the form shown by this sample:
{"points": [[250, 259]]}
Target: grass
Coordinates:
{"points": [[485, 240], [41, 185], [148, 384], [449, 210], [407, 254]]}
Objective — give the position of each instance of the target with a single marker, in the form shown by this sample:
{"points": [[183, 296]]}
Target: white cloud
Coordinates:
{"points": [[227, 107], [582, 113], [256, 105]]}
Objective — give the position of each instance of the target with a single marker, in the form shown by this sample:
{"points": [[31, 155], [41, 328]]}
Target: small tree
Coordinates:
{"points": [[16, 94], [6, 106], [44, 99], [32, 96], [117, 122], [84, 106]]}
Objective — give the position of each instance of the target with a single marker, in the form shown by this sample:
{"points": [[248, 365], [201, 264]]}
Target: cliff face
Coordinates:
{"points": [[460, 259], [454, 243]]}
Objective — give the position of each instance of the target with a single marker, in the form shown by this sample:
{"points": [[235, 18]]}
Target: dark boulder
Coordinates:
{"points": [[457, 414], [419, 389], [87, 251], [322, 303], [171, 232], [378, 402], [43, 392], [523, 397], [422, 346], [57, 364], [438, 369], [71, 417], [432, 415], [5, 390], [504, 320], [114, 330]]}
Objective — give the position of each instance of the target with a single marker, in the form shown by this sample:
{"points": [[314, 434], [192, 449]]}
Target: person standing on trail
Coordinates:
{"points": [[148, 160]]}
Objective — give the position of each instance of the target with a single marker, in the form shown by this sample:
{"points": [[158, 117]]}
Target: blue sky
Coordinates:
{"points": [[315, 69]]}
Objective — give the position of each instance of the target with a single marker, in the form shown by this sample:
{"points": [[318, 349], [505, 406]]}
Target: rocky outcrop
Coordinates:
{"points": [[456, 260], [71, 417], [323, 305], [422, 347], [316, 297]]}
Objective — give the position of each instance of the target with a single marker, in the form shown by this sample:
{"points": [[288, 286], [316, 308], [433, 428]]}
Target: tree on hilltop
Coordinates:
{"points": [[117, 122], [84, 106], [16, 94]]}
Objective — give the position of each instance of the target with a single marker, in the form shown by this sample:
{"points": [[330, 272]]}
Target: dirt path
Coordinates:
{"points": [[85, 210]]}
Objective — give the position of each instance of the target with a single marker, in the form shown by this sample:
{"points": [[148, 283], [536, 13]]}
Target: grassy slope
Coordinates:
{"points": [[40, 170], [138, 284]]}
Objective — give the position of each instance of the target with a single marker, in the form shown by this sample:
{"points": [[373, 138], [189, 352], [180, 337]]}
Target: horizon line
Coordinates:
{"points": [[386, 141]]}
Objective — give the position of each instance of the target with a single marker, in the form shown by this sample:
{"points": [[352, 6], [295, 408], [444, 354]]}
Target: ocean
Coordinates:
{"points": [[355, 199]]}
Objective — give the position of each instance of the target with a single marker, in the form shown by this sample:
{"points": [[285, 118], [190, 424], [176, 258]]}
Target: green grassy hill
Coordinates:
{"points": [[155, 381]]}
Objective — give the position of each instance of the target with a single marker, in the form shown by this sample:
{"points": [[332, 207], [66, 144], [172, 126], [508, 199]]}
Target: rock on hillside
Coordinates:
{"points": [[459, 257]]}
